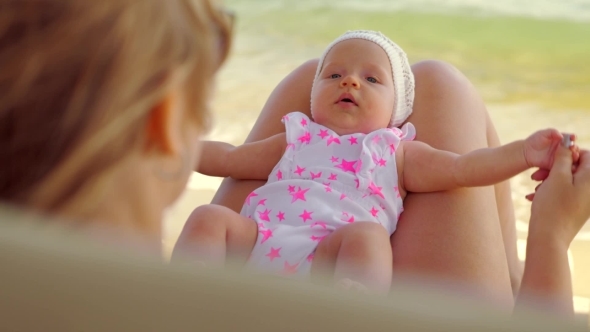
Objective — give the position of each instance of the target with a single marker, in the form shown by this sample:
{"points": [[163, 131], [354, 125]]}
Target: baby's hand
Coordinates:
{"points": [[539, 148]]}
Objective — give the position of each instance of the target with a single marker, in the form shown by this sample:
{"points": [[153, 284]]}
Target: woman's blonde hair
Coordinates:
{"points": [[78, 79]]}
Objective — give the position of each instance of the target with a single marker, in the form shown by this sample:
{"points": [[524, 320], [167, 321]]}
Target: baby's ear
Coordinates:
{"points": [[162, 127]]}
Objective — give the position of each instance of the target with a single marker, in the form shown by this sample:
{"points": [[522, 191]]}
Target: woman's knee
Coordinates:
{"points": [[447, 108], [438, 75]]}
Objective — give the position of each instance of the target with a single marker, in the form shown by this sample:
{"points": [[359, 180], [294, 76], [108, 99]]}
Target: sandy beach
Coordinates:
{"points": [[254, 70]]}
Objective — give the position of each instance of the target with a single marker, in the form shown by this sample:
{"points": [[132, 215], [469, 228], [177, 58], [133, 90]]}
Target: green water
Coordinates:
{"points": [[509, 59]]}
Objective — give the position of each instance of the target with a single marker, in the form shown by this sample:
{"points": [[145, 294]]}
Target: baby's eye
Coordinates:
{"points": [[372, 79], [335, 76]]}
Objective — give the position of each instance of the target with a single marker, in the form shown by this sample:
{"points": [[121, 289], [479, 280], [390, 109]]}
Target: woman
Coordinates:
{"points": [[102, 105]]}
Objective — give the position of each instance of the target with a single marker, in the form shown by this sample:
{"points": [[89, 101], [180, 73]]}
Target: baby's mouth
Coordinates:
{"points": [[346, 98]]}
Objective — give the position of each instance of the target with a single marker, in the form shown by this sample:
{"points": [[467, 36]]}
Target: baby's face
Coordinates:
{"points": [[354, 91]]}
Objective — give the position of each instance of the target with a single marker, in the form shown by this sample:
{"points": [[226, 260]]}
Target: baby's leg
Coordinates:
{"points": [[214, 232], [359, 252]]}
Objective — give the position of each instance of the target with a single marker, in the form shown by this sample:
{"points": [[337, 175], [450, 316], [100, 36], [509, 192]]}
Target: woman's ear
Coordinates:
{"points": [[163, 126]]}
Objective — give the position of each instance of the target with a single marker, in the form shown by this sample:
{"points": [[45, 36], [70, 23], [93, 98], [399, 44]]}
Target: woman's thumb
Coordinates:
{"points": [[562, 164]]}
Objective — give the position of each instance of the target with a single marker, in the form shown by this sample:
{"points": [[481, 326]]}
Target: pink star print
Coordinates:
{"points": [[291, 188], [320, 224], [333, 177], [333, 139], [299, 195], [352, 140], [285, 118], [315, 176], [317, 238], [347, 217], [347, 166], [323, 133], [391, 149], [266, 234], [305, 215], [305, 138], [264, 215], [375, 190], [290, 269], [274, 253], [279, 175], [281, 215], [342, 196], [252, 194], [358, 167], [374, 211], [379, 161], [376, 139], [262, 202], [397, 191], [299, 170], [327, 187], [303, 122], [310, 257], [334, 159], [290, 145]]}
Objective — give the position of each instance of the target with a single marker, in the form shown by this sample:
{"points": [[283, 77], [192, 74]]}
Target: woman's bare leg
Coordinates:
{"points": [[292, 94], [451, 235], [507, 219], [456, 235]]}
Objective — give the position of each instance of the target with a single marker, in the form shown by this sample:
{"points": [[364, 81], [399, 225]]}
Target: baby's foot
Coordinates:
{"points": [[351, 286]]}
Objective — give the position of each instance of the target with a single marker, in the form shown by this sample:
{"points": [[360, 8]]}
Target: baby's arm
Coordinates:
{"points": [[426, 169], [253, 161]]}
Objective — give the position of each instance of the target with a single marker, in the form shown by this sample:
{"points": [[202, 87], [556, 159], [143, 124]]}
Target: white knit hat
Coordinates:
{"points": [[403, 78]]}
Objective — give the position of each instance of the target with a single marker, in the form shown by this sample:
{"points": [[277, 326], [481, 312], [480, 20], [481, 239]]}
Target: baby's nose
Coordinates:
{"points": [[350, 81]]}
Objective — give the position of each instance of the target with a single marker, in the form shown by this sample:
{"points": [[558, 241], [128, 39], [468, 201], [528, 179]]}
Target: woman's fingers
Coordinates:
{"points": [[540, 174], [530, 197]]}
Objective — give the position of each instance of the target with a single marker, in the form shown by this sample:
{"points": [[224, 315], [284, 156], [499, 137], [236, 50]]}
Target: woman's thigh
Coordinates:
{"points": [[449, 235], [455, 235]]}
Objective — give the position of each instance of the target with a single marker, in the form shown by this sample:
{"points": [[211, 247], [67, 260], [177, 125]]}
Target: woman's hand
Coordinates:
{"points": [[561, 204], [542, 173]]}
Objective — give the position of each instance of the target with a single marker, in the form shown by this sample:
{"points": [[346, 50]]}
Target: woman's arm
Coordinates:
{"points": [[560, 208], [252, 161]]}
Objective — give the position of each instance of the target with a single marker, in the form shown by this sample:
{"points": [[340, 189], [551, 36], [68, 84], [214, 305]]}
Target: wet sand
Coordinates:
{"points": [[249, 77]]}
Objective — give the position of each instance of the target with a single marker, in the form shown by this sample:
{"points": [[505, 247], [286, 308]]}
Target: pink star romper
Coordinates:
{"points": [[322, 182]]}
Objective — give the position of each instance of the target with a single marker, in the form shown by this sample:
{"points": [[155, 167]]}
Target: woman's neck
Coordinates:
{"points": [[126, 210]]}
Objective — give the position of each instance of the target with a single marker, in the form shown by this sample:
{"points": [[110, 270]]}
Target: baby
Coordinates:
{"points": [[336, 182]]}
